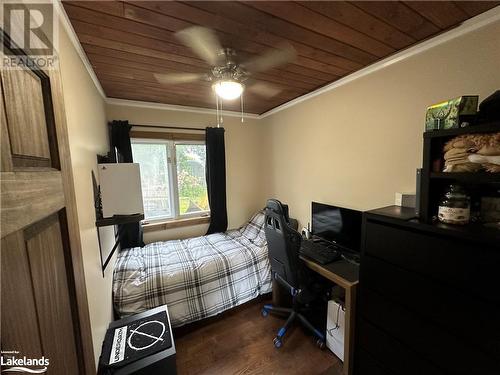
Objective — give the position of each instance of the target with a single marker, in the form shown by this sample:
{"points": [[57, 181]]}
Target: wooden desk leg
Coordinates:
{"points": [[350, 318]]}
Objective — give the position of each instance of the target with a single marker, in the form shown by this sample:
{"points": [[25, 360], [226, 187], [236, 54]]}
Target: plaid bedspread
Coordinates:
{"points": [[197, 277]]}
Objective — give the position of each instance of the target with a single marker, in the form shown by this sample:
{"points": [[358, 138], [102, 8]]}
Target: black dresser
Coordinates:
{"points": [[429, 297]]}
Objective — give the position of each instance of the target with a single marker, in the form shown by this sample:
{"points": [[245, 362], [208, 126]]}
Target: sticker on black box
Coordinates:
{"points": [[118, 348]]}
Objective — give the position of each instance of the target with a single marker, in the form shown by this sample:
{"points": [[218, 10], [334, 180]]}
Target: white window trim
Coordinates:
{"points": [[173, 183]]}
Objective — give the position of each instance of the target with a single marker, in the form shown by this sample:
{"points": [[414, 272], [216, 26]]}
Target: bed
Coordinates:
{"points": [[196, 277]]}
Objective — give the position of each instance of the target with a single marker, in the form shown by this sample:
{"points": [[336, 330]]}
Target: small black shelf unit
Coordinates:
{"points": [[433, 183]]}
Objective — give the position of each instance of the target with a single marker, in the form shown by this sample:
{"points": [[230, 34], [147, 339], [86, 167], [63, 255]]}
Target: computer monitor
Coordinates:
{"points": [[338, 225]]}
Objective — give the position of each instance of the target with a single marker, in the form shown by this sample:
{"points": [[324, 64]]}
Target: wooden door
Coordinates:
{"points": [[43, 302]]}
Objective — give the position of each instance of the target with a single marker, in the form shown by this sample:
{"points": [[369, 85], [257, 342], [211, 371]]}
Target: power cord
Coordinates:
{"points": [[337, 326]]}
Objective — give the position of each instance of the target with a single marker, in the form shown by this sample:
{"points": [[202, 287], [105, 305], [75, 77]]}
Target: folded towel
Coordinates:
{"points": [[489, 150], [462, 141], [464, 155], [457, 152], [482, 159], [464, 167], [493, 168], [457, 161], [472, 152], [476, 141]]}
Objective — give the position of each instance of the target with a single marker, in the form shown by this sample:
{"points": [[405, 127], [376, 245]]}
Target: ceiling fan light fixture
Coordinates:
{"points": [[228, 89]]}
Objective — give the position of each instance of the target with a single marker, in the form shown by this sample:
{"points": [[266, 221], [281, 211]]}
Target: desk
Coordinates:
{"points": [[345, 275]]}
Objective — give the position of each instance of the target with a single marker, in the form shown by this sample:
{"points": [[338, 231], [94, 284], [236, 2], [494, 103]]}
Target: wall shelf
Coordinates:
{"points": [[119, 219]]}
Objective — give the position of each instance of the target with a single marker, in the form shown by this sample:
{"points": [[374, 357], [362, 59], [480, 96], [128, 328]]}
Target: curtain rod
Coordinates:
{"points": [[167, 127]]}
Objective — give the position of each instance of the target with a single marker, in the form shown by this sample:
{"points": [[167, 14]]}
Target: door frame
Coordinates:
{"points": [[75, 270]]}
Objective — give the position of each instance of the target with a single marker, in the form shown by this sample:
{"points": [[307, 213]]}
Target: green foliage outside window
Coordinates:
{"points": [[191, 178]]}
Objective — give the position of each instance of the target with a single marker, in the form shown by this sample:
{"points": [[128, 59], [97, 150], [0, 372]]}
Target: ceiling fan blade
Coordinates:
{"points": [[264, 89], [178, 78], [271, 59], [203, 42]]}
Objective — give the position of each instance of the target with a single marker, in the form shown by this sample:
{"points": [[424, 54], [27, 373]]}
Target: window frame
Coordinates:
{"points": [[171, 140]]}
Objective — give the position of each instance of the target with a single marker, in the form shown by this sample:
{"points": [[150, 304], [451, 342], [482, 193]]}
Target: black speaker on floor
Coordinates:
{"points": [[140, 344]]}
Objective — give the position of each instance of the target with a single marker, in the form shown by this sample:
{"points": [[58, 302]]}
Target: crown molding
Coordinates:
{"points": [[63, 16], [179, 108], [472, 24]]}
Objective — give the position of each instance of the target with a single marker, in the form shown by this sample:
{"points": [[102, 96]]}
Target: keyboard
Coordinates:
{"points": [[320, 252]]}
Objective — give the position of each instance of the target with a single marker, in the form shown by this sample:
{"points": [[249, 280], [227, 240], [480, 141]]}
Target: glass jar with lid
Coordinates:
{"points": [[454, 207]]}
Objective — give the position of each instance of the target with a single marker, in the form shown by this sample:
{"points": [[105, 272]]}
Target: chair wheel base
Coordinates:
{"points": [[277, 342], [320, 344]]}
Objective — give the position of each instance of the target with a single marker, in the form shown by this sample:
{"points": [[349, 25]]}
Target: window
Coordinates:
{"points": [[172, 178]]}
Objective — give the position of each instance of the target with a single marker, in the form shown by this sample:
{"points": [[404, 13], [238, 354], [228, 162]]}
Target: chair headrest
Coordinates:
{"points": [[278, 208]]}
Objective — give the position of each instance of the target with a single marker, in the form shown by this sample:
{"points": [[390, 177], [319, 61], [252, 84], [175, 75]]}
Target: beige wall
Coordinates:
{"points": [[87, 137], [244, 160], [360, 143]]}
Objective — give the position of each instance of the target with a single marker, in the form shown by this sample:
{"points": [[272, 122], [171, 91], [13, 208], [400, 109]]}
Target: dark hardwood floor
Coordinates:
{"points": [[241, 342]]}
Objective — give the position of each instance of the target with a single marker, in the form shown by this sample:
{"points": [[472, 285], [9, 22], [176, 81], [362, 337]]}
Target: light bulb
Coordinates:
{"points": [[228, 89]]}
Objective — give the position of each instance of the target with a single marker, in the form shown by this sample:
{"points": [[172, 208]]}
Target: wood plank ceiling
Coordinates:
{"points": [[127, 42]]}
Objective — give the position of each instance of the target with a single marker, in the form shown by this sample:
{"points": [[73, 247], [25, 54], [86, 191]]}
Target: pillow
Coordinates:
{"points": [[254, 227], [261, 239]]}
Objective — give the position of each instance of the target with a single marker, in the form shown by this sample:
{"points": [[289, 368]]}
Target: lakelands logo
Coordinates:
{"points": [[10, 363], [30, 34]]}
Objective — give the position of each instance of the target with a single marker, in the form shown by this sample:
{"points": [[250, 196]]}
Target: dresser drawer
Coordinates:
{"points": [[471, 267], [434, 344], [366, 364], [390, 354], [440, 304]]}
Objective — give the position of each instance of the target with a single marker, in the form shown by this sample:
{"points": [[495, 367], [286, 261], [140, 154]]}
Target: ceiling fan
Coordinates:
{"points": [[227, 73]]}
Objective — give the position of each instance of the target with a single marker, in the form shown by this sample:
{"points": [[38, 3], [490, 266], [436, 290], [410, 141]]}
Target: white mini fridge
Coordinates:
{"points": [[335, 329]]}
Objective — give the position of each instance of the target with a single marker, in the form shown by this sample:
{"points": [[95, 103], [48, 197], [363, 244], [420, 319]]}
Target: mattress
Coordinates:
{"points": [[197, 277]]}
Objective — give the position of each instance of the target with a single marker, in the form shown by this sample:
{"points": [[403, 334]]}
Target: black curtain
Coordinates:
{"points": [[216, 179], [131, 235], [120, 141]]}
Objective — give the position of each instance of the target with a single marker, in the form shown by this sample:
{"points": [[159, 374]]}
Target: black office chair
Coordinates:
{"points": [[283, 244]]}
